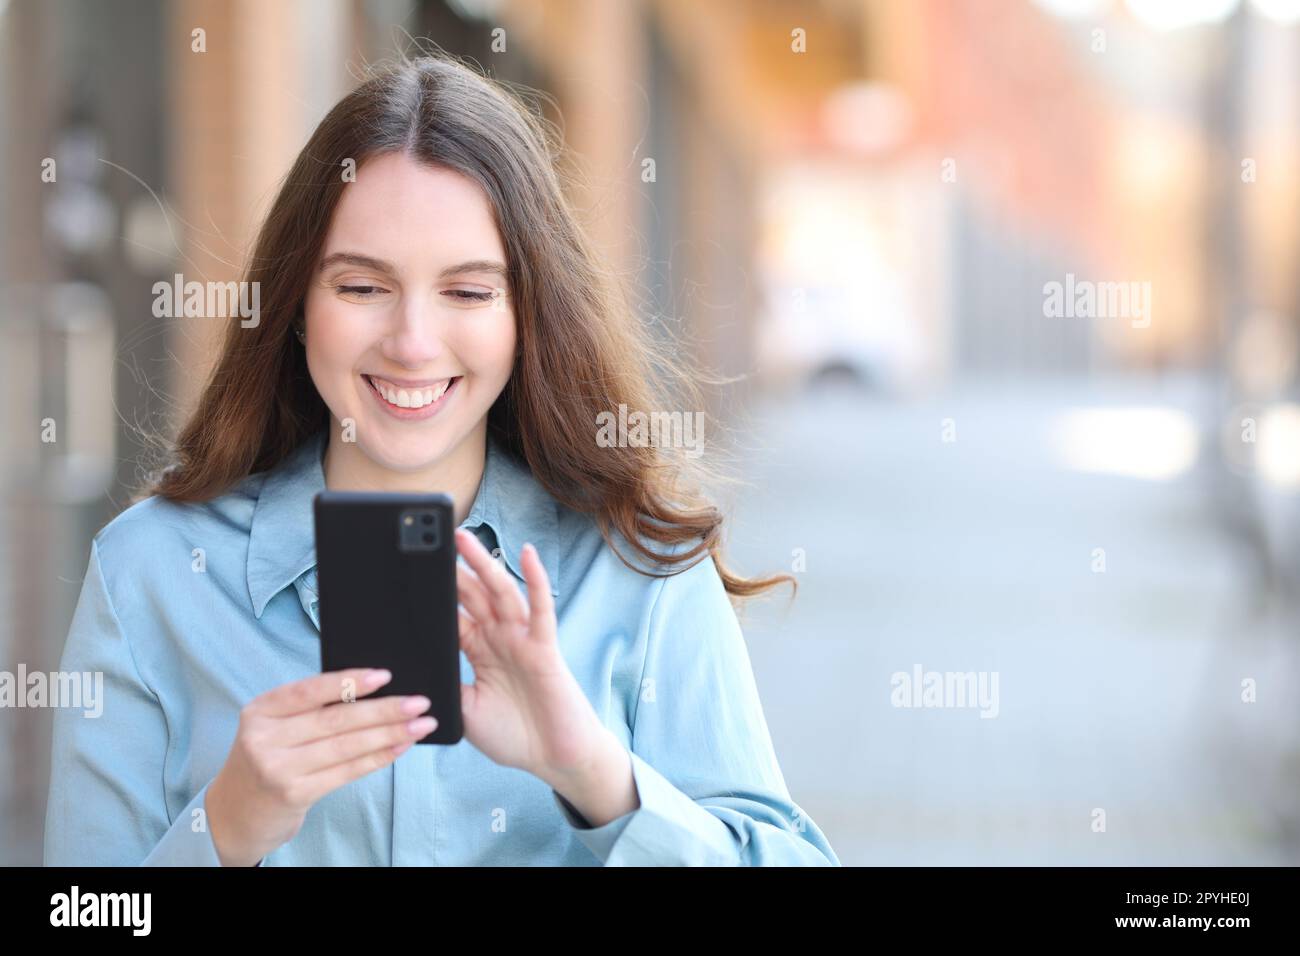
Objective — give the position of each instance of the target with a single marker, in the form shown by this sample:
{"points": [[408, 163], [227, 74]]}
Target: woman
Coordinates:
{"points": [[431, 319]]}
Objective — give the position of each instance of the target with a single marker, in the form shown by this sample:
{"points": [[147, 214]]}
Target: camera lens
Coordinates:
{"points": [[428, 519], [428, 539]]}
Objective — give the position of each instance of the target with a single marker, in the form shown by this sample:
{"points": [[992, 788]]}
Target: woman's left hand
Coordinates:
{"points": [[525, 708]]}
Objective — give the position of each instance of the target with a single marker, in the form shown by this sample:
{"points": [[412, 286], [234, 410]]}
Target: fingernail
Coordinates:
{"points": [[377, 677], [416, 705], [421, 725]]}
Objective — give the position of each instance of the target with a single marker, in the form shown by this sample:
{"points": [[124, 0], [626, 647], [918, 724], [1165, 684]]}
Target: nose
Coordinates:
{"points": [[414, 337]]}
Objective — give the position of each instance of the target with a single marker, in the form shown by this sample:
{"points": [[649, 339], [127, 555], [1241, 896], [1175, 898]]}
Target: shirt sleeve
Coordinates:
{"points": [[106, 802], [710, 788]]}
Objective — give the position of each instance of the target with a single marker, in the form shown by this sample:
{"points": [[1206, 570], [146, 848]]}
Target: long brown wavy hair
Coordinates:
{"points": [[581, 350]]}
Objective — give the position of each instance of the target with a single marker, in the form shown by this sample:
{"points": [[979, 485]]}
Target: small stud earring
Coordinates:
{"points": [[302, 335]]}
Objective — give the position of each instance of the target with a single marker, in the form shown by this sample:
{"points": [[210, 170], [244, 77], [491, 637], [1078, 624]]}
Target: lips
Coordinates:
{"points": [[410, 395], [411, 400]]}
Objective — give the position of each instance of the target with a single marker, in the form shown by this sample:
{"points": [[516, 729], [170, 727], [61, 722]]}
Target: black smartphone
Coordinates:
{"points": [[386, 573]]}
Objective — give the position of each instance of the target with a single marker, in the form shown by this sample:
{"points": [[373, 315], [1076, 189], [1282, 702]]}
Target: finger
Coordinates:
{"points": [[313, 692], [471, 641], [326, 781], [335, 719], [469, 704], [540, 605], [506, 599], [341, 748], [474, 595]]}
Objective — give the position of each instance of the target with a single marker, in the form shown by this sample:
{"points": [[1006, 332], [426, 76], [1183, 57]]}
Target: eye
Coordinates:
{"points": [[469, 296], [360, 291]]}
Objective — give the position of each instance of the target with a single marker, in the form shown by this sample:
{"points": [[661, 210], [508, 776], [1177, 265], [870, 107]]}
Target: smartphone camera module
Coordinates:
{"points": [[419, 530]]}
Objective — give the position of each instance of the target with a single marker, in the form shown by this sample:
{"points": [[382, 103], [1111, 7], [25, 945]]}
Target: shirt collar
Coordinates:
{"points": [[282, 540]]}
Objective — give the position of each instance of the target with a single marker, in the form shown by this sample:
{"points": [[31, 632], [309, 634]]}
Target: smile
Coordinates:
{"points": [[411, 401]]}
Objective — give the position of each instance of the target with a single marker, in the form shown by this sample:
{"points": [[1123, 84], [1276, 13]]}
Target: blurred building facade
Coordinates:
{"points": [[171, 124], [869, 187]]}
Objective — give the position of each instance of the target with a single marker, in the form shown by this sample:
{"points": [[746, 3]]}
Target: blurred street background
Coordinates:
{"points": [[875, 216]]}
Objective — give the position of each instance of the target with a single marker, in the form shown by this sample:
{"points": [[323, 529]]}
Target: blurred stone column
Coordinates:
{"points": [[592, 53], [240, 110], [28, 83]]}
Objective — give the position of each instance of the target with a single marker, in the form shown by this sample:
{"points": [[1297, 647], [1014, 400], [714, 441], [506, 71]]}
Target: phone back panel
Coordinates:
{"points": [[388, 595]]}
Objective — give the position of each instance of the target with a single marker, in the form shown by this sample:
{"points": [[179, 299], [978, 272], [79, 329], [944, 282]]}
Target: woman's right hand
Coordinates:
{"points": [[298, 742]]}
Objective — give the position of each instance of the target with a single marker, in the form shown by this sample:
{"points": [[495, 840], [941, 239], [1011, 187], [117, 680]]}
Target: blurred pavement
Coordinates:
{"points": [[1117, 690]]}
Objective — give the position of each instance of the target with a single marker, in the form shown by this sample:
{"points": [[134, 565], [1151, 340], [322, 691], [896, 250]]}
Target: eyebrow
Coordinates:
{"points": [[489, 266]]}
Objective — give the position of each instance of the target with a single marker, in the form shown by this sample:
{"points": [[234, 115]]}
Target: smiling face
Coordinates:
{"points": [[409, 334]]}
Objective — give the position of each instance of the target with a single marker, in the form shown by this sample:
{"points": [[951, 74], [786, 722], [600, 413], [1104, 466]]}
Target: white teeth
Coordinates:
{"points": [[411, 398]]}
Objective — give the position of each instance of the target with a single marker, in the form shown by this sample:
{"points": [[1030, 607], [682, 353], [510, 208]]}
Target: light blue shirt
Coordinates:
{"points": [[190, 611]]}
